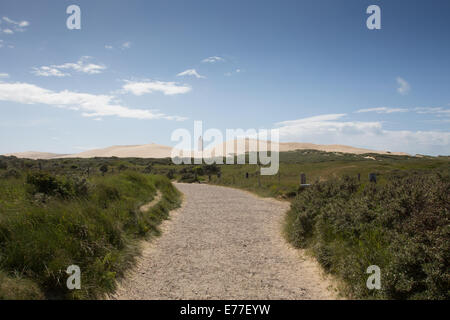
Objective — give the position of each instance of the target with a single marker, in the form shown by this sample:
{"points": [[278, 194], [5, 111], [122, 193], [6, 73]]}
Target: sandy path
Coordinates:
{"points": [[223, 243]]}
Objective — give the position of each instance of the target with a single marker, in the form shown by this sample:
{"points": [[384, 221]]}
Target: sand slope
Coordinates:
{"points": [[231, 147], [154, 150], [35, 155]]}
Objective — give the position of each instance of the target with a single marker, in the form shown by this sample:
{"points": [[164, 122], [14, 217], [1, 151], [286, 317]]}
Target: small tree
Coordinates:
{"points": [[104, 169]]}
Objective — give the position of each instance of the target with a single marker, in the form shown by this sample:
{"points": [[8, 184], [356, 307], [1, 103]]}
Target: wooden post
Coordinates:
{"points": [[246, 175], [303, 178]]}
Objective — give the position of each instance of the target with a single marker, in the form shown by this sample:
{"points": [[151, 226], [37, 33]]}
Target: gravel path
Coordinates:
{"points": [[223, 243]]}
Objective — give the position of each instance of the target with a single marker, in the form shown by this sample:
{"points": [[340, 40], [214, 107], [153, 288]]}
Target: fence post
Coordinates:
{"points": [[303, 178]]}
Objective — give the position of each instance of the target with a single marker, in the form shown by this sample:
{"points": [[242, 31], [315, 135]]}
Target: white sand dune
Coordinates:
{"points": [[231, 147], [154, 150], [35, 155]]}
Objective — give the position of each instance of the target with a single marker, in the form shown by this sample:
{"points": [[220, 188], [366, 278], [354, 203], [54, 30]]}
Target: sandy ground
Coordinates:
{"points": [[223, 243]]}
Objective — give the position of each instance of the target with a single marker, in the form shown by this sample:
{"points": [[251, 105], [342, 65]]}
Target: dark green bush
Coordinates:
{"points": [[11, 173], [401, 225]]}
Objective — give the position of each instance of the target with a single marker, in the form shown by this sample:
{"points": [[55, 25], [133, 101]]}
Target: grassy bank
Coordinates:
{"points": [[319, 167], [49, 222], [402, 226]]}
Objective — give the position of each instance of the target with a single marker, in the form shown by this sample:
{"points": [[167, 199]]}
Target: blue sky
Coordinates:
{"points": [[138, 70]]}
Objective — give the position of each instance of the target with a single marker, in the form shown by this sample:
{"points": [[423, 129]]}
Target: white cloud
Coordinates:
{"points": [[383, 110], [90, 105], [433, 110], [4, 75], [331, 129], [81, 66], [15, 25], [45, 71], [213, 59], [139, 88], [229, 74], [108, 47], [404, 87], [126, 45], [191, 72]]}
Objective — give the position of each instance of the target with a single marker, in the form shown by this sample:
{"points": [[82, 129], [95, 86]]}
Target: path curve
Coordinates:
{"points": [[223, 243]]}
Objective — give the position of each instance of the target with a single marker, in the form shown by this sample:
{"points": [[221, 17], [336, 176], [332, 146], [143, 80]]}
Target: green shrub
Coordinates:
{"points": [[11, 173], [402, 226]]}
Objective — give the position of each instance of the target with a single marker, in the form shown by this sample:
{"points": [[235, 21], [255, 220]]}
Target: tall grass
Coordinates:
{"points": [[48, 223]]}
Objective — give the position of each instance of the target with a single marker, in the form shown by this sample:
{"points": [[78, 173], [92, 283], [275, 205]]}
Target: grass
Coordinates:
{"points": [[50, 222], [319, 167]]}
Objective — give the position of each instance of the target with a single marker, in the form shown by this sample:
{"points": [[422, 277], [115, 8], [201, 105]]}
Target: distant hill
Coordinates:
{"points": [[35, 155], [154, 150], [230, 147]]}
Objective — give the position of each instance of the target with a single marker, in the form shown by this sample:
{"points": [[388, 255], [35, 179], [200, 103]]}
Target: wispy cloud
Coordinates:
{"points": [[2, 44], [81, 66], [404, 87], [213, 59], [108, 47], [14, 26], [4, 75], [191, 72], [229, 74], [383, 110], [126, 45], [45, 71], [90, 105], [333, 129], [433, 110], [139, 88]]}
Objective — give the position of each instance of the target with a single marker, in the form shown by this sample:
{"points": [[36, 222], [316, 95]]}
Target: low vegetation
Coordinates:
{"points": [[401, 225], [54, 213], [49, 221]]}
